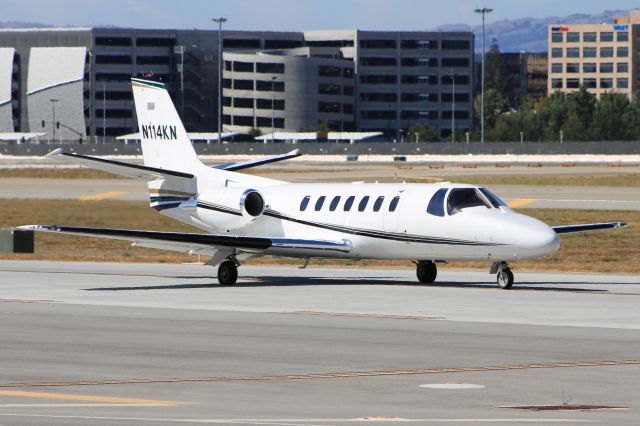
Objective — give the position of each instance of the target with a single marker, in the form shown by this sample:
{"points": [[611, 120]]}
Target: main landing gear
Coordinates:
{"points": [[427, 271], [504, 276], [228, 272]]}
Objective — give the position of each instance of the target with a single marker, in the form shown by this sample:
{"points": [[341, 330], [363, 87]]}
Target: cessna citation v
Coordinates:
{"points": [[247, 216]]}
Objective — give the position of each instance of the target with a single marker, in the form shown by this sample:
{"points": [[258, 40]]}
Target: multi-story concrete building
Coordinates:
{"points": [[365, 80], [350, 79], [82, 75], [603, 58], [526, 75]]}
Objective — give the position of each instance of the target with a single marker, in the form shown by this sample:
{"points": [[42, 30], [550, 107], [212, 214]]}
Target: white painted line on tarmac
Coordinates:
{"points": [[453, 386]]}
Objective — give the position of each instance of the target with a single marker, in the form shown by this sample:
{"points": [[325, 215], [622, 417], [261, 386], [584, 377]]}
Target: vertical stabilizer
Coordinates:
{"points": [[165, 143]]}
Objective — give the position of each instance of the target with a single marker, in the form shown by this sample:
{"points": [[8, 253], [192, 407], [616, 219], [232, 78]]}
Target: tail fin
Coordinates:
{"points": [[165, 143]]}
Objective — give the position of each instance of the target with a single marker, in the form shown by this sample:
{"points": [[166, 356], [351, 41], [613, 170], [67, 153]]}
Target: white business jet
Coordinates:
{"points": [[245, 216]]}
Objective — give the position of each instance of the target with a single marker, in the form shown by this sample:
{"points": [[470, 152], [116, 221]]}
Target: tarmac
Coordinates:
{"points": [[130, 344]]}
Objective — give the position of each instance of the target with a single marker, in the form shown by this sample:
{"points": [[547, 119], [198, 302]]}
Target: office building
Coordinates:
{"points": [[526, 75], [601, 57]]}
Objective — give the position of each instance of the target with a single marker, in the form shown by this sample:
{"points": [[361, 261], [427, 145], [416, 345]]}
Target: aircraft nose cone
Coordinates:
{"points": [[541, 239]]}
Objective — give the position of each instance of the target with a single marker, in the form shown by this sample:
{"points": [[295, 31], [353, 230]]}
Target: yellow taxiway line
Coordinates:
{"points": [[101, 196], [89, 398], [520, 202]]}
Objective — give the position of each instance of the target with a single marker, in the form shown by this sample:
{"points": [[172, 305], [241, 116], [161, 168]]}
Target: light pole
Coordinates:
{"points": [[104, 111], [219, 21], [180, 51], [53, 122], [453, 107], [483, 12], [273, 108]]}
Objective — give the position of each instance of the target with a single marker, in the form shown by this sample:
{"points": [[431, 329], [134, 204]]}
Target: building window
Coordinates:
{"points": [[456, 44], [622, 36], [243, 84], [622, 67], [378, 204], [363, 203], [319, 203], [557, 37], [329, 89], [378, 79], [606, 67], [378, 44], [278, 104], [556, 52], [394, 203], [241, 120], [587, 52], [329, 107], [573, 68], [378, 62], [228, 66], [606, 52], [334, 203], [573, 83], [347, 72], [623, 52], [282, 44], [269, 68], [459, 79], [573, 52], [226, 119], [347, 108], [268, 86], [589, 83], [556, 83], [349, 203], [347, 90], [556, 68], [622, 83], [455, 62], [328, 71], [113, 59], [155, 42], [589, 67], [589, 37], [264, 122], [304, 203], [243, 66], [242, 103], [113, 41], [573, 37], [606, 36], [278, 123], [379, 97], [606, 83]]}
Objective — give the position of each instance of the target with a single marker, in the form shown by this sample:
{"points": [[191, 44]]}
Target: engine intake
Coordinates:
{"points": [[252, 203]]}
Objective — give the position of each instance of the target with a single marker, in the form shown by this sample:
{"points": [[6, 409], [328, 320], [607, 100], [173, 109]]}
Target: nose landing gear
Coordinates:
{"points": [[504, 276]]}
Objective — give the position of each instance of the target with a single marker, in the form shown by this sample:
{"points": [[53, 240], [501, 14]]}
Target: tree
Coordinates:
{"points": [[496, 71], [254, 132], [608, 118], [495, 103], [425, 133]]}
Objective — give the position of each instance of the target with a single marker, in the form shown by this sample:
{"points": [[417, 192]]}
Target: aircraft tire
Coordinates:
{"points": [[505, 278], [227, 273], [426, 272]]}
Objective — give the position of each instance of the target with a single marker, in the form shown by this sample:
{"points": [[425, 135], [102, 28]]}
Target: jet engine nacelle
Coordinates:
{"points": [[231, 208]]}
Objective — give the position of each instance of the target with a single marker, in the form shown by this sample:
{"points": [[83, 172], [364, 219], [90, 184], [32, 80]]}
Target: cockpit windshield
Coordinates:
{"points": [[493, 198], [463, 198]]}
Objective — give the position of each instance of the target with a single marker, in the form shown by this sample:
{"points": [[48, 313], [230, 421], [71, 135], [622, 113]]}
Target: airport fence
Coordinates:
{"points": [[356, 149]]}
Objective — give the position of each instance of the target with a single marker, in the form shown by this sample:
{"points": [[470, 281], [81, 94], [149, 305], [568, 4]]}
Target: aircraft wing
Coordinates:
{"points": [[566, 229], [208, 244], [133, 171], [258, 162]]}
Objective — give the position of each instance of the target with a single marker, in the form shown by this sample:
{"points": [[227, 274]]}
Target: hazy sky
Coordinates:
{"points": [[290, 14]]}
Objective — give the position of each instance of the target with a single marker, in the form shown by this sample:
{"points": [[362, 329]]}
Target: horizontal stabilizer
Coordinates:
{"points": [[253, 163], [567, 229], [133, 171]]}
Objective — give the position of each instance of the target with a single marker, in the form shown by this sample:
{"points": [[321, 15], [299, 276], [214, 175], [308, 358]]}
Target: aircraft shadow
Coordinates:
{"points": [[360, 281]]}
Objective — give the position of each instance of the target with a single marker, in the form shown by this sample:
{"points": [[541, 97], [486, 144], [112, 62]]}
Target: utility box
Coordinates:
{"points": [[16, 241]]}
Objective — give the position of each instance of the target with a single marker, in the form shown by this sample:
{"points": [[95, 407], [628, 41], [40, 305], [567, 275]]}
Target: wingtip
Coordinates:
{"points": [[55, 153], [36, 228]]}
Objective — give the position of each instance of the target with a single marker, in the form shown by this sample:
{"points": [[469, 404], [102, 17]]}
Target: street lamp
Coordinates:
{"points": [[483, 12], [273, 108], [219, 21], [453, 107], [53, 122]]}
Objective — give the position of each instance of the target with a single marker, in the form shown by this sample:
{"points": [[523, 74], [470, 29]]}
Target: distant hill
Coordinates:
{"points": [[528, 34], [14, 24]]}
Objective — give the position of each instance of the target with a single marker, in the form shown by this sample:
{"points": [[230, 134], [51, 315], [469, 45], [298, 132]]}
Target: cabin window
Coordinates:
{"points": [[320, 202], [304, 203], [378, 204], [463, 198], [363, 203], [349, 203], [436, 205], [334, 203], [493, 199], [394, 203]]}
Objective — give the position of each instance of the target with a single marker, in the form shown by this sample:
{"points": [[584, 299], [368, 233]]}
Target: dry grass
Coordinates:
{"points": [[614, 180], [57, 173], [600, 251]]}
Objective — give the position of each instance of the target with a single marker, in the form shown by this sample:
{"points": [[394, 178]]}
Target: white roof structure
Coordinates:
{"points": [[6, 70], [311, 136], [194, 136], [18, 136], [54, 66]]}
